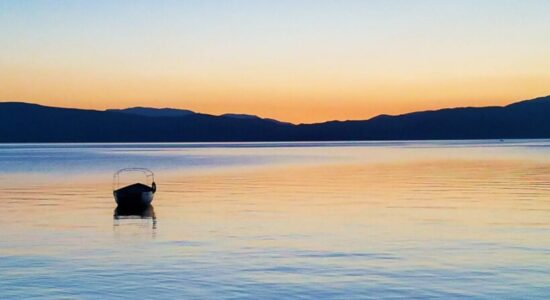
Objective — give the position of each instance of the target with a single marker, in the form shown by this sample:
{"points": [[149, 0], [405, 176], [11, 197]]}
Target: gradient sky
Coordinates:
{"points": [[299, 61]]}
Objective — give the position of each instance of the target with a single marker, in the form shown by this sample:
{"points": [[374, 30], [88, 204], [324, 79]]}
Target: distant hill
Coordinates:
{"points": [[525, 119], [246, 116], [240, 116], [154, 112], [24, 122]]}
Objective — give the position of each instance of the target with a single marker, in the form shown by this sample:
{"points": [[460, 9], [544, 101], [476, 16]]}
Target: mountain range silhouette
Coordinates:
{"points": [[31, 123]]}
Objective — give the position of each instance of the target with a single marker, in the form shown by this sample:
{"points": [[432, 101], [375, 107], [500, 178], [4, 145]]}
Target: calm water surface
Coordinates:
{"points": [[279, 220]]}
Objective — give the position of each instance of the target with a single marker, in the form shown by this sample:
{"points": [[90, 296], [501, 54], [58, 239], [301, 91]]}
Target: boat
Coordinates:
{"points": [[134, 187]]}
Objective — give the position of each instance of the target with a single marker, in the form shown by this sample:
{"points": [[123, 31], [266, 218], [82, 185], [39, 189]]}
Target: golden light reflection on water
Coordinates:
{"points": [[472, 194], [461, 191], [454, 214]]}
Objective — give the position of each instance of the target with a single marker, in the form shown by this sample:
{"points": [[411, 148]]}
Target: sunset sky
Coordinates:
{"points": [[299, 61]]}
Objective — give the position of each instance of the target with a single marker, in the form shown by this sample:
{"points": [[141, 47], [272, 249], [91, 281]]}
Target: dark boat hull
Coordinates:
{"points": [[136, 195], [134, 199]]}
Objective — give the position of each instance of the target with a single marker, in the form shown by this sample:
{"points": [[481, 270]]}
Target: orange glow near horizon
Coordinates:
{"points": [[297, 103]]}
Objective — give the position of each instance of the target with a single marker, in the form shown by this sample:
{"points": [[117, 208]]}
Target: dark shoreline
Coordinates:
{"points": [[31, 123]]}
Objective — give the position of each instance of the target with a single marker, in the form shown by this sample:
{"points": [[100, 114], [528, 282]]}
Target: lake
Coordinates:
{"points": [[335, 220]]}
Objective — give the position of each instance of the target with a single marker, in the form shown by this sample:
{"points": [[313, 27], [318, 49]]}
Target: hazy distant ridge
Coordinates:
{"points": [[154, 112], [23, 122]]}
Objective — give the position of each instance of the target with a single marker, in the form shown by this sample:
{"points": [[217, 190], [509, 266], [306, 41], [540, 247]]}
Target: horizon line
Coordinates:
{"points": [[259, 116]]}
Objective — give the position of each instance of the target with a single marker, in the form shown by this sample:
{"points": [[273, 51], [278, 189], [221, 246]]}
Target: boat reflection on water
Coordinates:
{"points": [[123, 212], [136, 216]]}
